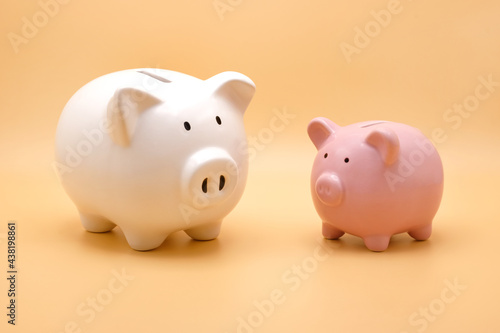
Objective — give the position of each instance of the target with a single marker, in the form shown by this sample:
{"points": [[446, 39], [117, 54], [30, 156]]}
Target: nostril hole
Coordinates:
{"points": [[222, 182], [204, 185]]}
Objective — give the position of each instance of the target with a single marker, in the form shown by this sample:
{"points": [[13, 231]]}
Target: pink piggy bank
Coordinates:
{"points": [[374, 179]]}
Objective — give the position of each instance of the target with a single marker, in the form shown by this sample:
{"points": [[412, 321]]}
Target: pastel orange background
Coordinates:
{"points": [[268, 271]]}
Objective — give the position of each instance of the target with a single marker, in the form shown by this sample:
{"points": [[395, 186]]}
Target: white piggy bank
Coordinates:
{"points": [[154, 152]]}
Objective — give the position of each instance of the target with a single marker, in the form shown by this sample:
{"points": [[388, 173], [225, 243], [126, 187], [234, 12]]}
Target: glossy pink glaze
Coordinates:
{"points": [[374, 179]]}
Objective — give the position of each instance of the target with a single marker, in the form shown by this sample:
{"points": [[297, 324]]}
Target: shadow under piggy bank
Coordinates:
{"points": [[399, 243], [177, 244]]}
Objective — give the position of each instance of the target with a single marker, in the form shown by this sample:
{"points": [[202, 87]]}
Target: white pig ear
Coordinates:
{"points": [[235, 86], [320, 130], [386, 142], [124, 109]]}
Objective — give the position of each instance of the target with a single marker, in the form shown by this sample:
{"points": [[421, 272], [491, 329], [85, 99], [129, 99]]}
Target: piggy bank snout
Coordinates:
{"points": [[210, 177], [329, 189]]}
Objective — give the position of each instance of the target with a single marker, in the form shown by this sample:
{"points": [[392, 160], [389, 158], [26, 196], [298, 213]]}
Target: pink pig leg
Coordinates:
{"points": [[330, 232], [421, 233], [377, 243]]}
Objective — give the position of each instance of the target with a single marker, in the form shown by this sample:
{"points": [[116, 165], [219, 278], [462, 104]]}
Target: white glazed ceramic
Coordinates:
{"points": [[155, 151]]}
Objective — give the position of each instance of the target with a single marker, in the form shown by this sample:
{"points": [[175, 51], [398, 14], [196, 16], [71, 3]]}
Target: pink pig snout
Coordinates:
{"points": [[329, 189]]}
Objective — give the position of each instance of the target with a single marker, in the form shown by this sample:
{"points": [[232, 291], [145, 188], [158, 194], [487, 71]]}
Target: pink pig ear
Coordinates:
{"points": [[386, 142], [320, 130]]}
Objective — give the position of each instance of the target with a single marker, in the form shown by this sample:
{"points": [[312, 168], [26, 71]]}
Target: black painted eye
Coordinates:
{"points": [[326, 155], [187, 126], [346, 159], [217, 119]]}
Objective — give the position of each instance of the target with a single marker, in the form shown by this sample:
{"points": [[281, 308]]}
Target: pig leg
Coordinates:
{"points": [[330, 232], [377, 242], [204, 232], [94, 223], [421, 233], [143, 241]]}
